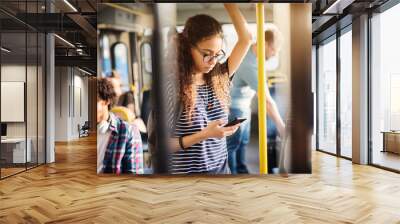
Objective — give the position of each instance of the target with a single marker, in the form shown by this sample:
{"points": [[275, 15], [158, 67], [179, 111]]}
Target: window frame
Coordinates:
{"points": [[334, 37]]}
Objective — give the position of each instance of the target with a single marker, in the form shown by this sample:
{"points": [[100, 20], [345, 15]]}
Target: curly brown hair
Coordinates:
{"points": [[105, 91], [196, 29]]}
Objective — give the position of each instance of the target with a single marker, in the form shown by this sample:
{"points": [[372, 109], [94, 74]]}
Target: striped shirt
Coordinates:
{"points": [[209, 155]]}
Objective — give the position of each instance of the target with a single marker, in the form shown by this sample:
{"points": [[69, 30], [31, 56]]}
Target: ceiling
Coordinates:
{"points": [[331, 15], [76, 22], [73, 20]]}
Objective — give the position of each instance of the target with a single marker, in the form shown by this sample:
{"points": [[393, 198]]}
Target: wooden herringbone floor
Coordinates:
{"points": [[69, 191]]}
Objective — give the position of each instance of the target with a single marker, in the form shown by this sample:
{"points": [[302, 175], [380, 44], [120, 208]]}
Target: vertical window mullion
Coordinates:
{"points": [[0, 89], [26, 85], [338, 91], [37, 89], [317, 96]]}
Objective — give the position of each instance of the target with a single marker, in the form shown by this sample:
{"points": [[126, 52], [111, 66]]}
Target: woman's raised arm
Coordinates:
{"points": [[244, 37]]}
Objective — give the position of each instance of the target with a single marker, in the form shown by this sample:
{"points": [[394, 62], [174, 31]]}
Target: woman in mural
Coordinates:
{"points": [[199, 143]]}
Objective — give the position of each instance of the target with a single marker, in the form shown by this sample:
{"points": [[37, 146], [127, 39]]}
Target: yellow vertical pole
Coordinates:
{"points": [[262, 109]]}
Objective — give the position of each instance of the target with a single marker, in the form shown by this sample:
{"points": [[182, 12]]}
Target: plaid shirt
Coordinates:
{"points": [[124, 153]]}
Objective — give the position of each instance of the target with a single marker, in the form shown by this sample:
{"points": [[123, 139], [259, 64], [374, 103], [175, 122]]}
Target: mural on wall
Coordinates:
{"points": [[189, 82]]}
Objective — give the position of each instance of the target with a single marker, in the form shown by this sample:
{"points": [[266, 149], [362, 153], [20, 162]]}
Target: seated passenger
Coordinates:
{"points": [[127, 100], [115, 79], [119, 146]]}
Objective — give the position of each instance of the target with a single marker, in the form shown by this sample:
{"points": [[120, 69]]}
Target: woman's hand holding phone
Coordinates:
{"points": [[215, 129]]}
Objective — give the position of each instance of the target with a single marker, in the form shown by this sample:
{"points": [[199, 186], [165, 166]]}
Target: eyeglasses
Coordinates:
{"points": [[208, 57]]}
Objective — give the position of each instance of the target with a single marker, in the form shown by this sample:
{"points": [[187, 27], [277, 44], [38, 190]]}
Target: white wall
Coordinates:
{"points": [[61, 103], [80, 94], [71, 94]]}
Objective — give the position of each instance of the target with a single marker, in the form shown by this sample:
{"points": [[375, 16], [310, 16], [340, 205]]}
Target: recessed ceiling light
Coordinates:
{"points": [[70, 5], [338, 6], [84, 71], [64, 40], [5, 50]]}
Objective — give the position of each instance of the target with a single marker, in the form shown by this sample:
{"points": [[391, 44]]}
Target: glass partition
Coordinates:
{"points": [[41, 109], [327, 97], [31, 98], [22, 89], [13, 94], [346, 94]]}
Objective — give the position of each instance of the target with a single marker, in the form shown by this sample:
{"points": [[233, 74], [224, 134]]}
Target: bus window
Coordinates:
{"points": [[105, 54], [146, 52], [146, 65], [230, 39], [120, 64]]}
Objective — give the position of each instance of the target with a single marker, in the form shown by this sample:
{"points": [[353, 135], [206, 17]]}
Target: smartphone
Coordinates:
{"points": [[235, 121]]}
